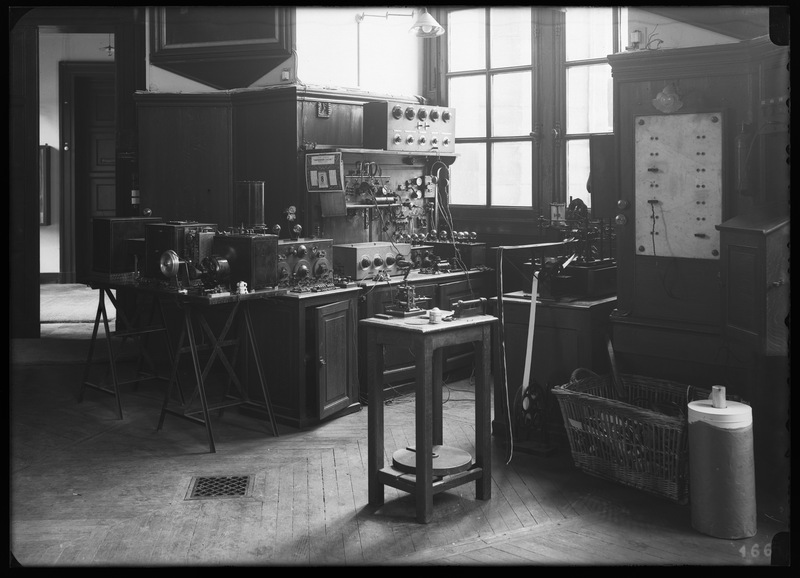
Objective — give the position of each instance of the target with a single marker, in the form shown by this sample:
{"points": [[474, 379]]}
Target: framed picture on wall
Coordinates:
{"points": [[223, 47]]}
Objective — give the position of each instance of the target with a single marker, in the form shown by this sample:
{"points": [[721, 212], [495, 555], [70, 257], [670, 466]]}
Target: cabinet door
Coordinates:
{"points": [[334, 357]]}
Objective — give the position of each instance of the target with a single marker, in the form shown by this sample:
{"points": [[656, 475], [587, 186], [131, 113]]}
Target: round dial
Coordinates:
{"points": [[365, 262], [410, 113], [301, 271], [445, 115], [422, 114], [377, 261], [397, 139], [422, 140], [397, 112], [321, 267], [283, 270], [410, 140], [390, 260], [434, 115]]}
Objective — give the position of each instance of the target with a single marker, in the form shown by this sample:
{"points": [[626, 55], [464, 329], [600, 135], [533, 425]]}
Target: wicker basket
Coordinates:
{"points": [[630, 429]]}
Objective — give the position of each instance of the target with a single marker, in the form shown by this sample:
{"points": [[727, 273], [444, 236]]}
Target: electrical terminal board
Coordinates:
{"points": [[678, 172]]}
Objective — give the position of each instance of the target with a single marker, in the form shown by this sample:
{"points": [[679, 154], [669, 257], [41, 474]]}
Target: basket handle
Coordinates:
{"points": [[576, 374], [618, 386]]}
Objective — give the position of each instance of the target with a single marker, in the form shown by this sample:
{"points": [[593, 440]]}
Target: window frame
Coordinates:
{"points": [[548, 135]]}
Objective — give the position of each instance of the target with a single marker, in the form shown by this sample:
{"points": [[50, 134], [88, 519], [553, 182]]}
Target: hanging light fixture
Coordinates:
{"points": [[426, 26]]}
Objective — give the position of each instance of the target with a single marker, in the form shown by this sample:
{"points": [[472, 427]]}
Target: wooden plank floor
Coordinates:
{"points": [[90, 490]]}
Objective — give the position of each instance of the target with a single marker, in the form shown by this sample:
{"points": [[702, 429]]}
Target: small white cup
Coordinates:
{"points": [[435, 315]]}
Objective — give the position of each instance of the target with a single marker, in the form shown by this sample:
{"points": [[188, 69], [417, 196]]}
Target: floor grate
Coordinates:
{"points": [[209, 487]]}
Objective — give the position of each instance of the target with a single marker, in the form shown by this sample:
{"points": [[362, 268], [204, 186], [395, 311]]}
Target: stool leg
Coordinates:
{"points": [[438, 409], [374, 418], [256, 357], [92, 343], [199, 376], [483, 417], [423, 354], [112, 360]]}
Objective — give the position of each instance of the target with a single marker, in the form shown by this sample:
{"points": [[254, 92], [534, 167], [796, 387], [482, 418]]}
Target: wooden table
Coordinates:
{"points": [[195, 309], [427, 341]]}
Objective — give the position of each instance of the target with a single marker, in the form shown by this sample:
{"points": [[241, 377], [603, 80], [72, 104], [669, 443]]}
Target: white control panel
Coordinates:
{"points": [[678, 172]]}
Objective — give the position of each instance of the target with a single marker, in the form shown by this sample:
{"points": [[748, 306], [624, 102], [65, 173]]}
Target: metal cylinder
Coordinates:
{"points": [[721, 469]]}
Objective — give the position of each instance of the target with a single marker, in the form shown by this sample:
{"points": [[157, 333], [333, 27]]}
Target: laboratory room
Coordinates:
{"points": [[376, 286]]}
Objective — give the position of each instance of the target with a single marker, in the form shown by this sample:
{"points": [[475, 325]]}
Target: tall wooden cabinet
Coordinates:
{"points": [[682, 119], [702, 149]]}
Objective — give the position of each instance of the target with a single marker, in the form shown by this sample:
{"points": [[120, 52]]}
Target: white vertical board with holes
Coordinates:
{"points": [[678, 174]]}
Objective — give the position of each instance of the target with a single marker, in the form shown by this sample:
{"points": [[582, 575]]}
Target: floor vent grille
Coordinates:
{"points": [[210, 487]]}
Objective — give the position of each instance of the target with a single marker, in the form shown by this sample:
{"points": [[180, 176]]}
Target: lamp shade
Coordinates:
{"points": [[426, 26]]}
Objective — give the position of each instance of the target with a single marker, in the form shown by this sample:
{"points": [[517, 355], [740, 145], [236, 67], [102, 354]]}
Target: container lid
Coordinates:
{"points": [[733, 416]]}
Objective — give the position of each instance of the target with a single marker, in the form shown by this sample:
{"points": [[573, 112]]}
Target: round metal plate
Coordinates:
{"points": [[446, 460]]}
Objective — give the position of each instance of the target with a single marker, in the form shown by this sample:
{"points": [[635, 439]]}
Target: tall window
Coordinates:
{"points": [[529, 86]]}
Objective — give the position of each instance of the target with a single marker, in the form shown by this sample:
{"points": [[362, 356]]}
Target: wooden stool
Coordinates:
{"points": [[427, 341]]}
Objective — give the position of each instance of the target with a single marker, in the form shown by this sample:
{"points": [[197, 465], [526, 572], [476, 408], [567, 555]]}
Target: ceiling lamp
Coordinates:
{"points": [[426, 26]]}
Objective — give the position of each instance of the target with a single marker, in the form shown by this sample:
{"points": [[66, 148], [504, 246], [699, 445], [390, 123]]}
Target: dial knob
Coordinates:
{"points": [[397, 112], [446, 141], [445, 115], [434, 115], [422, 114], [283, 270], [390, 260], [365, 262], [434, 141], [397, 139], [410, 113], [410, 140], [321, 267], [377, 261], [422, 140]]}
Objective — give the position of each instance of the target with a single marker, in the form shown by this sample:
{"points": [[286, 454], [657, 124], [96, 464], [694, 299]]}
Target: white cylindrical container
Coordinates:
{"points": [[722, 487]]}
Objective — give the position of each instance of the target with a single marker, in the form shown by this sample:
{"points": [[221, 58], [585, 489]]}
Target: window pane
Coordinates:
{"points": [[578, 171], [468, 182], [511, 104], [510, 36], [511, 174], [467, 94], [466, 39], [589, 99], [589, 33]]}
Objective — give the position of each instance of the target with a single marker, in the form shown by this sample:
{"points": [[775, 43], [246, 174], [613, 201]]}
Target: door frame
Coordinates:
{"points": [[69, 73]]}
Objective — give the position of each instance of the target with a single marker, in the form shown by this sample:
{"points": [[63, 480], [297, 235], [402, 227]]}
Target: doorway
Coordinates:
{"points": [[88, 175]]}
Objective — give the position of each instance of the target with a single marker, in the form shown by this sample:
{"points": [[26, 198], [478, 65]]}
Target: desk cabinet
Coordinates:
{"points": [[309, 343], [567, 335]]}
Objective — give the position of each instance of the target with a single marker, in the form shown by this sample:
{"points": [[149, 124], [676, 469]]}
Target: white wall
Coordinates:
{"points": [[674, 34], [333, 49], [53, 49]]}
